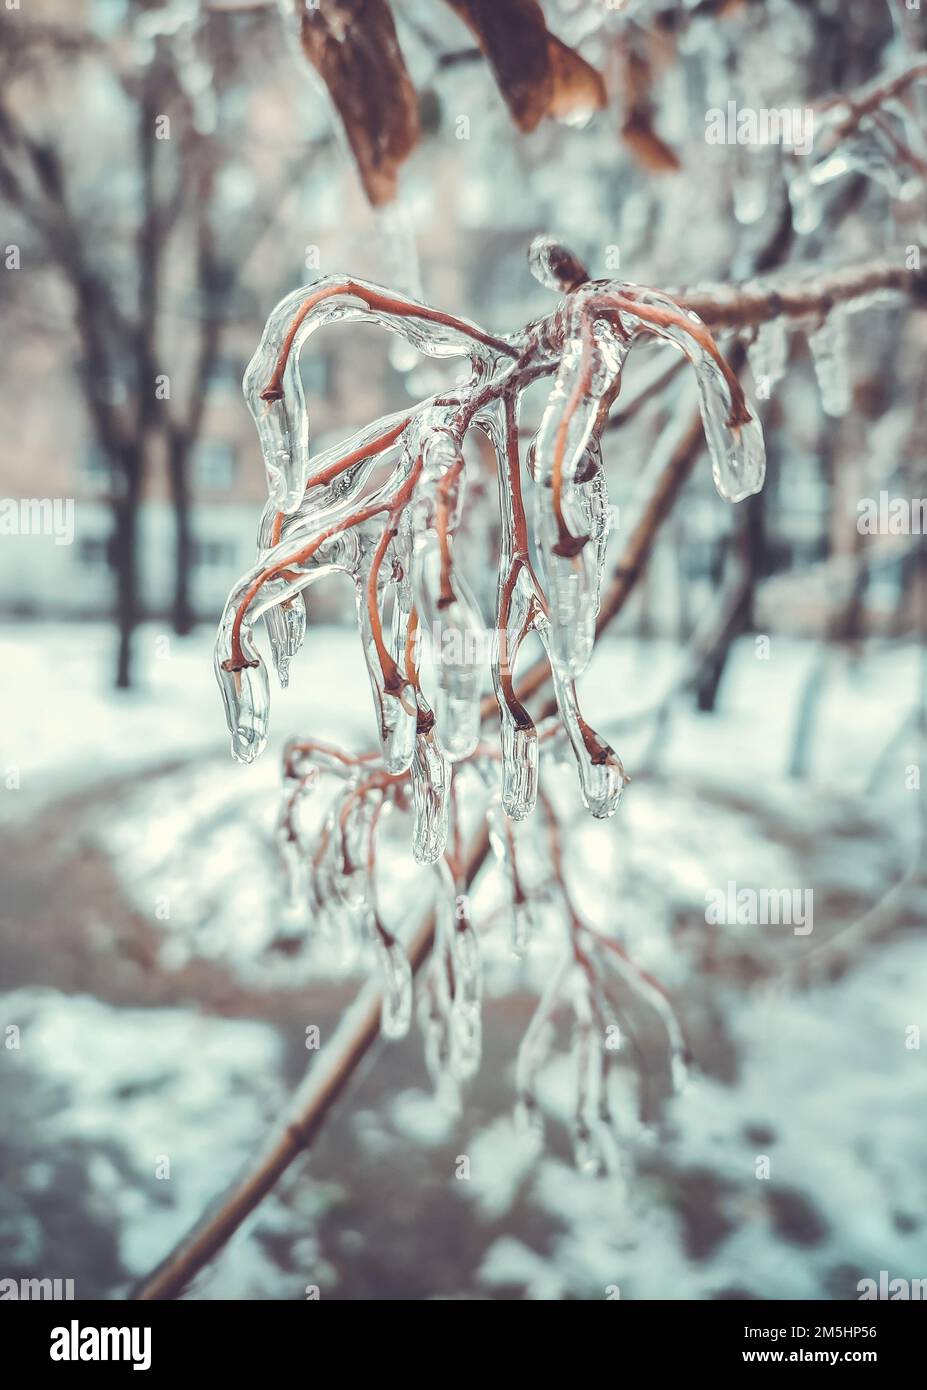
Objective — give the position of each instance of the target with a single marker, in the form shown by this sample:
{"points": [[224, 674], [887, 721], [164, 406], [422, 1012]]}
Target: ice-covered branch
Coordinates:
{"points": [[761, 301], [397, 541], [582, 345], [360, 1027], [850, 110]]}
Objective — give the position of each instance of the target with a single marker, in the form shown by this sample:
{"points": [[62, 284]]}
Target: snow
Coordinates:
{"points": [[133, 1088], [817, 1079]]}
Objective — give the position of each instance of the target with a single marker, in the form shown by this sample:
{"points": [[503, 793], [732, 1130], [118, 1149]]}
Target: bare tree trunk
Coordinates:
{"points": [[182, 615], [125, 570], [751, 558]]}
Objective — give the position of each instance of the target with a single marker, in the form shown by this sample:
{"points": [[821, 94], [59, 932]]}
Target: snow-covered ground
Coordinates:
{"points": [[64, 725], [154, 1023]]}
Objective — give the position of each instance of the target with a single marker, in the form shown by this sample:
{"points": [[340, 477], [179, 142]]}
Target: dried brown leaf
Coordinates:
{"points": [[640, 61], [353, 46], [651, 152], [537, 75]]}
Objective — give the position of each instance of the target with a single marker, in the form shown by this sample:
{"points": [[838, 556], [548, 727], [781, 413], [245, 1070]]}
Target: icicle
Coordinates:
{"points": [[447, 610], [286, 630], [769, 352], [396, 1010], [246, 695], [806, 202], [293, 860], [437, 1001], [457, 941], [871, 150], [602, 777], [299, 781], [518, 736], [467, 970], [529, 1123], [351, 882], [342, 485], [434, 1021], [564, 449], [576, 582], [517, 733], [518, 603], [397, 714], [831, 355], [519, 769], [431, 775], [592, 1121], [738, 454], [751, 195], [322, 900], [501, 838], [452, 623], [245, 691], [467, 1024], [403, 271], [466, 1014], [589, 1152]]}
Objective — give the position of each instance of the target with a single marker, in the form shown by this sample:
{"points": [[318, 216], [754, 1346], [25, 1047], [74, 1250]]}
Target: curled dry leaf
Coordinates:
{"points": [[651, 152], [637, 129], [353, 46], [537, 75]]}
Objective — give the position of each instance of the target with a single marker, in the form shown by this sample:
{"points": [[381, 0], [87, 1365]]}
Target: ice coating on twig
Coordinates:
{"points": [[732, 432], [385, 507], [447, 612], [246, 696], [272, 383], [396, 1012], [388, 508], [502, 840], [566, 452], [450, 1014]]}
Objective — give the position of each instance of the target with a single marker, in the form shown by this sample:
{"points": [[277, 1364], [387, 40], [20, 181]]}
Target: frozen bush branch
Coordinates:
{"points": [[326, 498]]}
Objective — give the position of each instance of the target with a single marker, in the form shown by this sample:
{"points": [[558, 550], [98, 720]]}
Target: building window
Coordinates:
{"points": [[225, 375], [94, 465], [214, 554], [94, 552], [215, 465]]}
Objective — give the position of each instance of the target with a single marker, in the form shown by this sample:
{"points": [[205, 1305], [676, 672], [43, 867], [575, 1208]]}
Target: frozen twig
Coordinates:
{"points": [[360, 1027]]}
